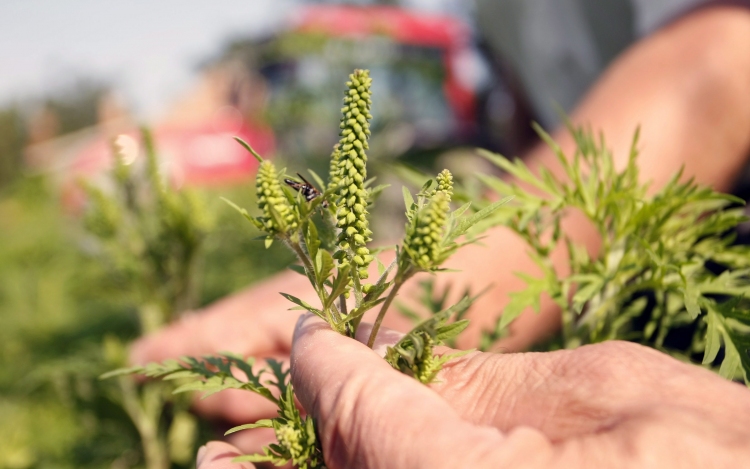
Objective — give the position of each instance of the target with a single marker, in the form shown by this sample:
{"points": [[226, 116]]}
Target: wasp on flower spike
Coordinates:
{"points": [[308, 191]]}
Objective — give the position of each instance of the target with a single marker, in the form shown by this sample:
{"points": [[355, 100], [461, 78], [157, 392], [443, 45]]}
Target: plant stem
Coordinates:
{"points": [[384, 309], [154, 448], [342, 305]]}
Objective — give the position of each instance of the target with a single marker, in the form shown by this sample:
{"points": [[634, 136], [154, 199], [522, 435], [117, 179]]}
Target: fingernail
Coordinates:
{"points": [[199, 457]]}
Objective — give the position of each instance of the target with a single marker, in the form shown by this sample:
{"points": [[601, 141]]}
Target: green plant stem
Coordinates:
{"points": [[342, 305], [146, 421], [303, 257], [400, 280]]}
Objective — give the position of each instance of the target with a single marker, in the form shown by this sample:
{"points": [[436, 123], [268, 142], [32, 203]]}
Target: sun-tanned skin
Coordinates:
{"points": [[688, 88], [613, 405]]}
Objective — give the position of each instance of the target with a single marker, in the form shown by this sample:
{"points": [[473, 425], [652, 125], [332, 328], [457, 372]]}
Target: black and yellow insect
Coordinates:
{"points": [[308, 191]]}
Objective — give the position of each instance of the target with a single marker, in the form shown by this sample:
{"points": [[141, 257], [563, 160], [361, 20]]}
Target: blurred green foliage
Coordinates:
{"points": [[57, 304], [12, 141]]}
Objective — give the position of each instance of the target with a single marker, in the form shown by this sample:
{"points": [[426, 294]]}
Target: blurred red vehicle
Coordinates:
{"points": [[428, 76]]}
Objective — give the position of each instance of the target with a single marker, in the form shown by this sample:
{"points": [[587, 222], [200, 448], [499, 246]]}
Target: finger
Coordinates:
{"points": [[219, 455], [386, 337], [364, 408], [255, 322], [239, 406], [568, 393], [235, 406], [252, 441]]}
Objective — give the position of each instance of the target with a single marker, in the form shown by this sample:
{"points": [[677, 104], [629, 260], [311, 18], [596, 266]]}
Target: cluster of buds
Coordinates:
{"points": [[333, 172], [279, 217], [425, 231], [349, 173], [424, 235], [444, 184]]}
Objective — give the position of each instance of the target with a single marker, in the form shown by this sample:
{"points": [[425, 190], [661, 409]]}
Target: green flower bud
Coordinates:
{"points": [[279, 216], [289, 437], [333, 172], [424, 234], [444, 184], [349, 171]]}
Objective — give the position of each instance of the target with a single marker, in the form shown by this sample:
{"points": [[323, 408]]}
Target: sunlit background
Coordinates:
{"points": [[79, 80]]}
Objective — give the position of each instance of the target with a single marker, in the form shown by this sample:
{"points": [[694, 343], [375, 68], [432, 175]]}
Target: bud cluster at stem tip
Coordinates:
{"points": [[444, 184], [424, 233], [349, 173], [279, 217]]}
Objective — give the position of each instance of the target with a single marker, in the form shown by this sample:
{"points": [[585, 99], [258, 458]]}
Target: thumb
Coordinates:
{"points": [[219, 455], [364, 408]]}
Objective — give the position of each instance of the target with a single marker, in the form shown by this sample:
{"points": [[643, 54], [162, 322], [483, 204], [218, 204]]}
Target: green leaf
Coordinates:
{"points": [[249, 148], [713, 338], [691, 301], [318, 180], [302, 303], [298, 268], [586, 292], [264, 423], [731, 362], [340, 284], [465, 224], [122, 372], [324, 266], [408, 199], [244, 213], [312, 240], [519, 301], [452, 330]]}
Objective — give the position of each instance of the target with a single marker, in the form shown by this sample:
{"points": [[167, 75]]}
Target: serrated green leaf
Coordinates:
{"points": [[731, 362], [452, 330], [691, 301], [586, 292], [122, 372], [519, 301], [463, 225]]}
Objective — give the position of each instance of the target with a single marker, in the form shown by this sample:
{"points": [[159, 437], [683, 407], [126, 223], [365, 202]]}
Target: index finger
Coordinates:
{"points": [[253, 322], [370, 415]]}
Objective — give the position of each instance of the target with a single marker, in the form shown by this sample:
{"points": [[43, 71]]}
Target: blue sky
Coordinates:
{"points": [[148, 49]]}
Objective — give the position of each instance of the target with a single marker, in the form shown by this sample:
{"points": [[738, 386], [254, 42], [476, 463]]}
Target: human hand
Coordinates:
{"points": [[614, 404], [254, 323]]}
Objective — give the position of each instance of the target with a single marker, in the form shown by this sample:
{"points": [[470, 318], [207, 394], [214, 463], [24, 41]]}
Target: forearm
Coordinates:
{"points": [[688, 89]]}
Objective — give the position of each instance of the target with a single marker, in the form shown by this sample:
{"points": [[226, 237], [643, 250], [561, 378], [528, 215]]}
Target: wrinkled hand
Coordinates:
{"points": [[614, 404], [254, 323]]}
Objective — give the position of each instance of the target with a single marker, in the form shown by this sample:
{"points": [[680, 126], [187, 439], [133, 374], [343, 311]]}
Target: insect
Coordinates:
{"points": [[308, 191]]}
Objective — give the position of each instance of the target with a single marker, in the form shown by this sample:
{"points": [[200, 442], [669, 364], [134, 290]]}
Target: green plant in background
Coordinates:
{"points": [[337, 272], [666, 265], [150, 236]]}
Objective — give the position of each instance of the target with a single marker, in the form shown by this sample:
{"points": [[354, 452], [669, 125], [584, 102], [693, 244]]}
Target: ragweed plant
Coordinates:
{"points": [[149, 236], [667, 261], [337, 273]]}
